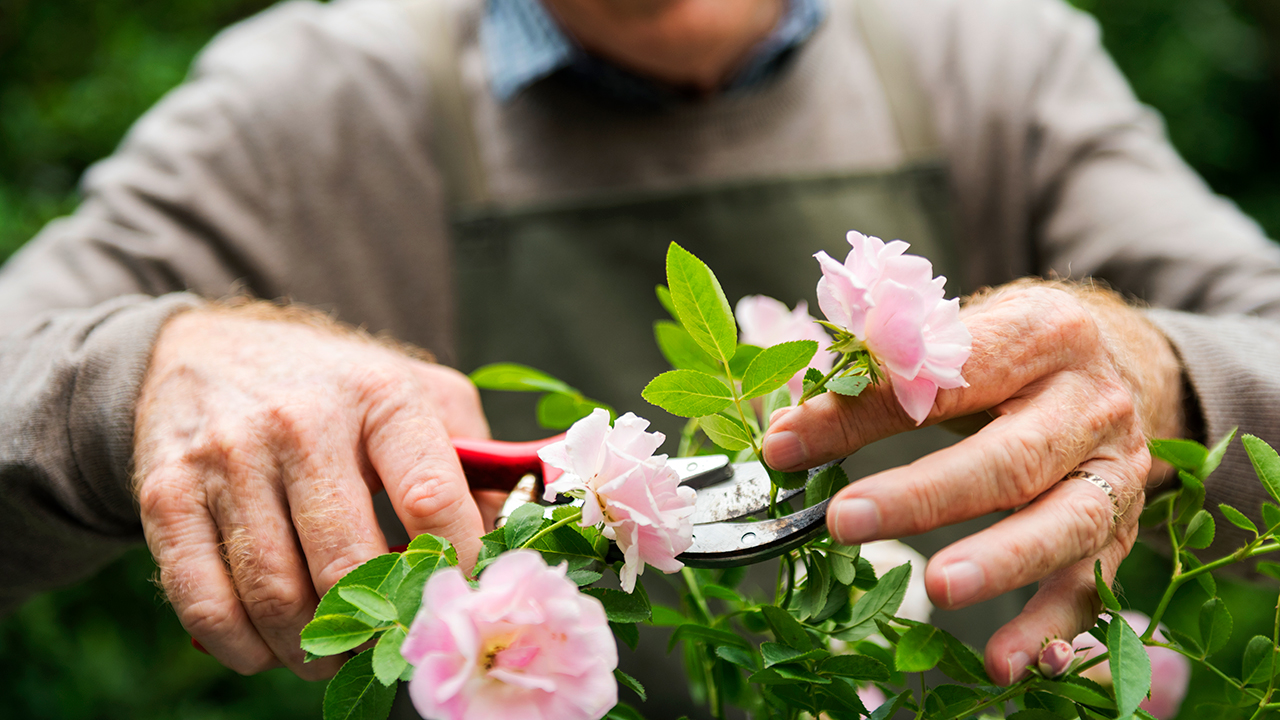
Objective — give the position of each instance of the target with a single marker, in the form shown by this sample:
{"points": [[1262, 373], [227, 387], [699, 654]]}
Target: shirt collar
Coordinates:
{"points": [[523, 44]]}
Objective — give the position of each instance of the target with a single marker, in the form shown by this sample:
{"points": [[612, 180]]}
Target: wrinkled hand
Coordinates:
{"points": [[261, 436], [1073, 378]]}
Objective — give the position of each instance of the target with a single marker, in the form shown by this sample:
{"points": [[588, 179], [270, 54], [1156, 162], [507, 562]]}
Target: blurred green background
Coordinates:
{"points": [[75, 73]]}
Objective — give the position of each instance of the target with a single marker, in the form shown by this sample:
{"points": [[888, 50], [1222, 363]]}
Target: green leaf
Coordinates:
{"points": [[857, 667], [1266, 463], [408, 595], [570, 545], [627, 633], [427, 546], [1184, 640], [850, 385], [664, 299], [688, 393], [333, 634], [1035, 714], [844, 562], [1077, 692], [813, 596], [884, 598], [1200, 530], [725, 432], [623, 711], [812, 377], [845, 693], [920, 649], [891, 706], [621, 607], [370, 602], [866, 575], [1270, 515], [519, 378], [825, 484], [1215, 625], [630, 683], [1186, 455], [742, 658], [1216, 454], [787, 480], [1156, 511], [742, 358], [722, 592], [557, 411], [774, 402], [1257, 663], [774, 367], [356, 694], [382, 574], [792, 672], [523, 524], [777, 653], [786, 628], [1130, 666], [1270, 569], [1237, 518], [710, 636], [388, 663], [679, 348], [700, 303], [962, 662], [583, 577], [1109, 600]]}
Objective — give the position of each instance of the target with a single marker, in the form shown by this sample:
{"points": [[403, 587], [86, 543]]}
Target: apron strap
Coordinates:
{"points": [[453, 137], [908, 104]]}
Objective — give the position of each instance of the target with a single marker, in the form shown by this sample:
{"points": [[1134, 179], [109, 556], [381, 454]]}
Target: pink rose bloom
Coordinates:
{"points": [[1170, 672], [891, 302], [1055, 658], [766, 322], [526, 644], [626, 487]]}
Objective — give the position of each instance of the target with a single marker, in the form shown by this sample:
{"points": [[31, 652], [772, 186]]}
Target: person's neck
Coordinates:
{"points": [[685, 43]]}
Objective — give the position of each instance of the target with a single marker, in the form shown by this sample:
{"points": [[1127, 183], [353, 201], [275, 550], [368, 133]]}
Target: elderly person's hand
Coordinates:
{"points": [[262, 435], [1074, 379]]}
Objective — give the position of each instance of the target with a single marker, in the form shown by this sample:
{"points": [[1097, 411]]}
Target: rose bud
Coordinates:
{"points": [[1055, 658]]}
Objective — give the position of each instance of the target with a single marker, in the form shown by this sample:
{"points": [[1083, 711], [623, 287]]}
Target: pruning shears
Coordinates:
{"points": [[728, 494]]}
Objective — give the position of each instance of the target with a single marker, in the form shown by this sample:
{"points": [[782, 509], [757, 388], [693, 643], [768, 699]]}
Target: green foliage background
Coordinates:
{"points": [[74, 74]]}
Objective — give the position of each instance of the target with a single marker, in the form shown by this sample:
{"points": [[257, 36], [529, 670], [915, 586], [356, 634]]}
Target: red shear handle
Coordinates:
{"points": [[498, 465]]}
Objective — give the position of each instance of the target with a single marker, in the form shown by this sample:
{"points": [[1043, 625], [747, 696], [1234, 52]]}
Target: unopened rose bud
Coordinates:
{"points": [[1055, 658]]}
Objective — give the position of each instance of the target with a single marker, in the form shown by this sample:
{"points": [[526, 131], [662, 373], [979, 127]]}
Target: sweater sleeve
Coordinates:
{"points": [[1061, 171], [199, 201]]}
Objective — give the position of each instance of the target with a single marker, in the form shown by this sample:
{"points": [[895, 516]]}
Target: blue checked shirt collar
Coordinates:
{"points": [[523, 44]]}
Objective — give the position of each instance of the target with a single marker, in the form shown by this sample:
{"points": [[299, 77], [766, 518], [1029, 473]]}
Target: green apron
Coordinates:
{"points": [[569, 288]]}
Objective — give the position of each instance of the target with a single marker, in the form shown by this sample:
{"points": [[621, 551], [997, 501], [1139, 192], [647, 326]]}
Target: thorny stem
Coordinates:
{"points": [[1012, 692], [841, 364], [1179, 580], [552, 527]]}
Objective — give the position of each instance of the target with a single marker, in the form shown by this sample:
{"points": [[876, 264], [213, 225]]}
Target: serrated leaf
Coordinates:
{"points": [[777, 653], [621, 607], [1237, 518], [787, 480], [1270, 569], [664, 299], [524, 522], [355, 692], [845, 693], [708, 635], [740, 657], [1215, 625], [1109, 600], [742, 358], [1200, 531], [962, 662], [623, 711], [850, 385], [857, 667], [786, 629], [1216, 453], [1156, 511], [388, 663], [812, 377], [1077, 692], [408, 596], [333, 634], [583, 577], [813, 596], [844, 562], [1186, 455], [679, 348], [890, 706], [1190, 497], [1266, 463], [627, 633], [884, 598], [569, 545], [774, 367], [382, 574], [688, 393], [725, 432], [557, 411], [700, 303], [370, 602], [824, 484], [1130, 666], [1257, 663], [920, 649], [630, 683], [774, 402], [518, 378], [427, 546], [1270, 515]]}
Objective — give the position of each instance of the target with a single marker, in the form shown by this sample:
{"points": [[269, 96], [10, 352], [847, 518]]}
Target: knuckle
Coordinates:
{"points": [[276, 603], [1026, 455], [210, 617], [431, 499]]}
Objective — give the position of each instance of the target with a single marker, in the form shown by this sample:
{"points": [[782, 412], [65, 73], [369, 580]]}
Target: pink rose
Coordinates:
{"points": [[891, 302], [632, 492], [1170, 672], [1055, 658], [526, 644], [766, 322]]}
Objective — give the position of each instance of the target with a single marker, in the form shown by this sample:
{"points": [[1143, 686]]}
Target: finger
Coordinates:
{"points": [[262, 553], [1072, 520], [409, 449], [1034, 442], [456, 401], [490, 504], [329, 498], [1014, 344], [185, 543], [1066, 605]]}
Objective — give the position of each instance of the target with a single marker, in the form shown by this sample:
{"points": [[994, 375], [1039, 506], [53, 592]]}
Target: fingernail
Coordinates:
{"points": [[784, 451], [1018, 664], [963, 580], [855, 520]]}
